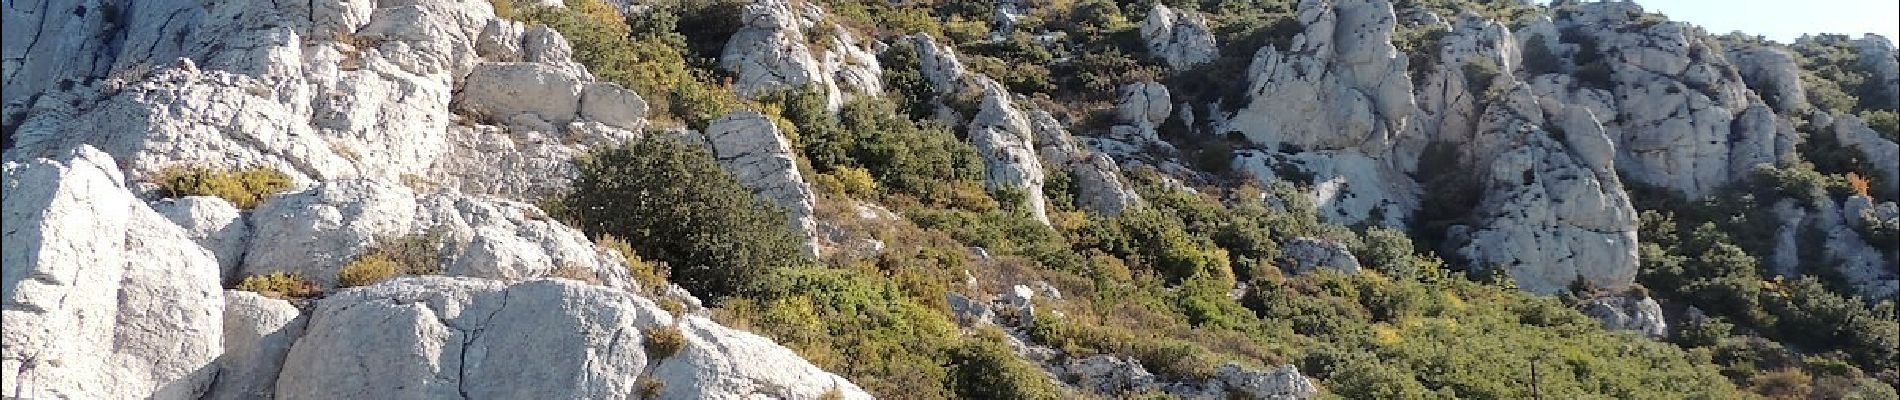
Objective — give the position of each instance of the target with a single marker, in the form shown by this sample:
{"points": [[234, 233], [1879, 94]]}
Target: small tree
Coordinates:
{"points": [[672, 203]]}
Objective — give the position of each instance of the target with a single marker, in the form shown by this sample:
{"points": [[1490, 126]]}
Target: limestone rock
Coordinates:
{"points": [[1351, 80], [214, 224], [750, 147], [1108, 375], [258, 333], [723, 363], [1306, 254], [1098, 180], [1448, 107], [613, 105], [1283, 383], [503, 90], [316, 232], [1553, 212], [1628, 313], [771, 53], [1180, 38], [1877, 57], [1002, 135], [1882, 153], [104, 298], [1772, 72], [1859, 263], [1346, 186]]}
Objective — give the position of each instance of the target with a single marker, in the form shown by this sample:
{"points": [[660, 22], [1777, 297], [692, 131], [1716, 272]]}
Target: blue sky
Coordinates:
{"points": [[1784, 20]]}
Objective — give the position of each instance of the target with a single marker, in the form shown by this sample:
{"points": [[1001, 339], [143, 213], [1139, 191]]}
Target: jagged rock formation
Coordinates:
{"points": [[1771, 72], [425, 119], [1180, 38], [316, 232], [1628, 313], [1878, 58], [771, 53], [465, 337], [1308, 254], [1355, 98], [1883, 154], [750, 147], [1002, 136], [1098, 181], [104, 297], [1553, 210], [1677, 99]]}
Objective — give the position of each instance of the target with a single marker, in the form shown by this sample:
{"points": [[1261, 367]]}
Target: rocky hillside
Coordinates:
{"points": [[1269, 199]]}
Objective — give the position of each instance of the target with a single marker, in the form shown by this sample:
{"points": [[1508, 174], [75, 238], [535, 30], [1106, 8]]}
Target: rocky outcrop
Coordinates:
{"points": [[464, 337], [1871, 272], [258, 333], [1883, 154], [1179, 38], [104, 298], [1355, 98], [316, 232], [1002, 135], [1677, 98], [1099, 186], [1140, 110], [319, 91], [771, 53], [1876, 56], [1451, 98], [1772, 72], [1628, 313], [750, 147], [1553, 210], [1306, 254]]}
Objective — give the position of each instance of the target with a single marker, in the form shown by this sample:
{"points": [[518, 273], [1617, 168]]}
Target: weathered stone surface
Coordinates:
{"points": [[1283, 383], [723, 363], [1883, 154], [771, 53], [1628, 313], [1180, 38], [1306, 254], [1875, 54], [104, 298], [750, 147], [316, 232], [1098, 180], [1772, 72], [1109, 375], [1002, 135], [258, 333], [1553, 211], [214, 224], [610, 104], [502, 90]]}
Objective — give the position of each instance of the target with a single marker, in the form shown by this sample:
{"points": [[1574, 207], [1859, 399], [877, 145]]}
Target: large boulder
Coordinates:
{"points": [[441, 337], [1884, 154], [316, 232], [1002, 135], [1553, 210], [1875, 54], [1355, 97], [1628, 313], [104, 298], [1772, 72], [750, 147], [774, 51], [1180, 38], [1305, 254], [501, 91], [1099, 186]]}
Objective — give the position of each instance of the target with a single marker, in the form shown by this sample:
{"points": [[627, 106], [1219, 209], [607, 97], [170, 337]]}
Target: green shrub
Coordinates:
{"points": [[244, 188], [985, 368], [864, 326], [663, 342], [672, 202], [368, 270], [280, 285]]}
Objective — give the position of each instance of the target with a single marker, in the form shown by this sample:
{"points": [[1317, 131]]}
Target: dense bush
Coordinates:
{"points": [[985, 368], [244, 188], [855, 324], [672, 203]]}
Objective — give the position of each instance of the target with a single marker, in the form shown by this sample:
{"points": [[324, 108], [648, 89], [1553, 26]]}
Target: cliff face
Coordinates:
{"points": [[391, 119], [438, 117]]}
